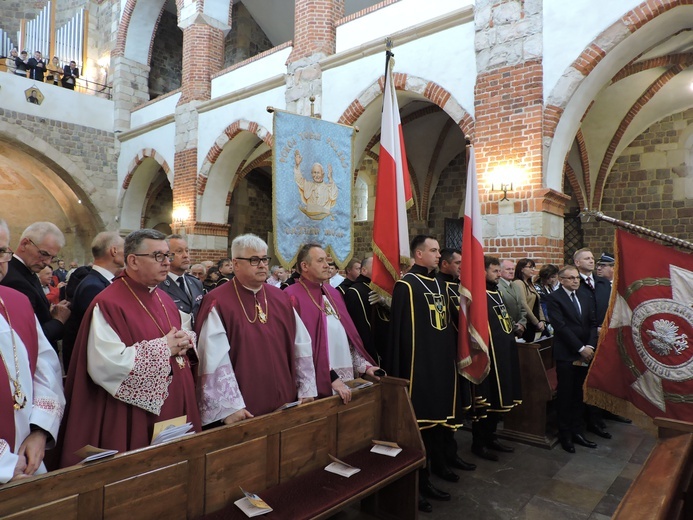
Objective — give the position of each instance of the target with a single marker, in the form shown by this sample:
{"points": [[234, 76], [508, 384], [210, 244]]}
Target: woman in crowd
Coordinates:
{"points": [[54, 71], [545, 284], [524, 273]]}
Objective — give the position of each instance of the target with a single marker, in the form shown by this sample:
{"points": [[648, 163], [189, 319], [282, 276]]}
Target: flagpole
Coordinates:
{"points": [[598, 215]]}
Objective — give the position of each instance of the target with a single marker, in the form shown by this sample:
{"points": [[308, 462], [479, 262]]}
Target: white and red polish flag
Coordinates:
{"points": [[393, 195], [473, 337]]}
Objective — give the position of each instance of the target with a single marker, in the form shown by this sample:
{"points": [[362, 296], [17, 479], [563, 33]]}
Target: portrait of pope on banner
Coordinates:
{"points": [[318, 196]]}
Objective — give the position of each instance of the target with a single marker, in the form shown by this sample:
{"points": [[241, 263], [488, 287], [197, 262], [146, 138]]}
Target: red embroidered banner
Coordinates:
{"points": [[645, 356]]}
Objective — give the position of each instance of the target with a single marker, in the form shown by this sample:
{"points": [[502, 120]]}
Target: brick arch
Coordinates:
{"points": [[130, 200], [227, 135], [409, 83], [138, 17], [578, 73]]}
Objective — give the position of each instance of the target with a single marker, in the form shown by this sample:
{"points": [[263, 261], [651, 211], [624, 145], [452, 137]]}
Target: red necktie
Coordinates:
{"points": [[588, 281]]}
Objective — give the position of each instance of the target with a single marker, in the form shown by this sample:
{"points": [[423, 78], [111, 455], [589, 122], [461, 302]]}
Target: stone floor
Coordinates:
{"points": [[538, 484]]}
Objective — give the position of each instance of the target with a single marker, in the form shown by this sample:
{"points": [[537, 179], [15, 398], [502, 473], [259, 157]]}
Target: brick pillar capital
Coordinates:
{"points": [[315, 27]]}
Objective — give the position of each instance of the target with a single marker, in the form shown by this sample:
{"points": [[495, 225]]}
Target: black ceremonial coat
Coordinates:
{"points": [[423, 345]]}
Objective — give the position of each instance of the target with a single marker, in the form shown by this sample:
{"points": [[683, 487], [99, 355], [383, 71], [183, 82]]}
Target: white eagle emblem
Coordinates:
{"points": [[664, 338]]}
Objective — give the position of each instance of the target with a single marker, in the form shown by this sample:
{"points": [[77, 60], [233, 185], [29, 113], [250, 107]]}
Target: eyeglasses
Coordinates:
{"points": [[158, 256], [255, 260], [43, 253], [5, 254], [570, 277]]}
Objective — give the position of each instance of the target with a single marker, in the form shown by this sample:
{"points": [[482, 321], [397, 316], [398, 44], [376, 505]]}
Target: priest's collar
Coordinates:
{"points": [[134, 283], [254, 291], [447, 277], [421, 270], [309, 284]]}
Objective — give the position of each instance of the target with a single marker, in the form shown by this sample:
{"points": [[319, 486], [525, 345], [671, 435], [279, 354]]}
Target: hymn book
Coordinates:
{"points": [[358, 383], [91, 453], [165, 431], [391, 449]]}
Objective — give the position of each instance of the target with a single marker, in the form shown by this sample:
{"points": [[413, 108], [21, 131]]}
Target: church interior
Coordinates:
{"points": [[571, 108]]}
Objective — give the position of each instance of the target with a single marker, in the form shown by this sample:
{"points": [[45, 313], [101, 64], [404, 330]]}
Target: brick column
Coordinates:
{"points": [[314, 38], [508, 132], [203, 55]]}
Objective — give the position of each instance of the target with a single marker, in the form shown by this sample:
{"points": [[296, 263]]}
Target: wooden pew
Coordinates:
{"points": [[201, 474], [664, 488], [527, 423]]}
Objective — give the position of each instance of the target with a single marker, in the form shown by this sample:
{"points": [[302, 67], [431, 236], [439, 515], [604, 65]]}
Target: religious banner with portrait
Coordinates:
{"points": [[644, 356], [312, 187]]}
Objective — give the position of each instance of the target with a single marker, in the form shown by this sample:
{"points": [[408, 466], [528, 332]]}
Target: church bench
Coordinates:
{"points": [[527, 423], [276, 456], [664, 488]]}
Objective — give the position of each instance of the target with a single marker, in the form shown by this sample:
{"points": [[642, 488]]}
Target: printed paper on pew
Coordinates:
{"points": [[391, 449], [245, 505], [91, 453], [339, 467], [255, 500], [286, 406], [357, 383], [165, 431]]}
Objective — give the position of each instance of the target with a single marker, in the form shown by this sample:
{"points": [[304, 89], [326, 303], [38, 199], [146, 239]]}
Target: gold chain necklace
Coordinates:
{"points": [[18, 395], [179, 358], [259, 313], [329, 309]]}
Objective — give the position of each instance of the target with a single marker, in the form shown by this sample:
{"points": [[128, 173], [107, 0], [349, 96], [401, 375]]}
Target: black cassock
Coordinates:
{"points": [[371, 321], [502, 389], [423, 345]]}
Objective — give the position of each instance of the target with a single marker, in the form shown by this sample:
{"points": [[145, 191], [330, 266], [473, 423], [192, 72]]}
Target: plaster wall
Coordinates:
{"points": [[454, 71], [395, 17], [212, 123], [154, 111], [252, 73], [569, 27], [58, 103], [160, 139]]}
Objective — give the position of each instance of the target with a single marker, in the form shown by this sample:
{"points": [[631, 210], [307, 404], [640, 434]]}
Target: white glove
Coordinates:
{"points": [[375, 299]]}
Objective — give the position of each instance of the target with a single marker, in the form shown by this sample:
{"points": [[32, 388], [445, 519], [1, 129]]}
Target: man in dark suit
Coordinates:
{"points": [[37, 248], [599, 290], [185, 290], [61, 272], [37, 67], [70, 75], [108, 249], [575, 326]]}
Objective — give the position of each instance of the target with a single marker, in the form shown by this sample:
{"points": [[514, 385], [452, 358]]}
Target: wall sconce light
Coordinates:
{"points": [[180, 215], [502, 178], [505, 188]]}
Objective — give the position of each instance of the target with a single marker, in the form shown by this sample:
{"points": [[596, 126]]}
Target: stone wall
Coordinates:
{"points": [[245, 39], [449, 196], [12, 11], [167, 57], [251, 207], [651, 184]]}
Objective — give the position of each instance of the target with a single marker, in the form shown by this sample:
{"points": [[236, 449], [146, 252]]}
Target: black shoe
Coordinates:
{"points": [[578, 438], [613, 417], [497, 446], [424, 505], [599, 431], [430, 491], [484, 453], [446, 474], [567, 445], [458, 463]]}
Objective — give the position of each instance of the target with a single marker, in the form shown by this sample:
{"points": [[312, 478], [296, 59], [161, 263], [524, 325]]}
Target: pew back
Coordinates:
{"points": [[202, 473]]}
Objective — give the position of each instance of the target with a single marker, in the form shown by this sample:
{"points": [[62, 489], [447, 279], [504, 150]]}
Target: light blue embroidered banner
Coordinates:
{"points": [[312, 187]]}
